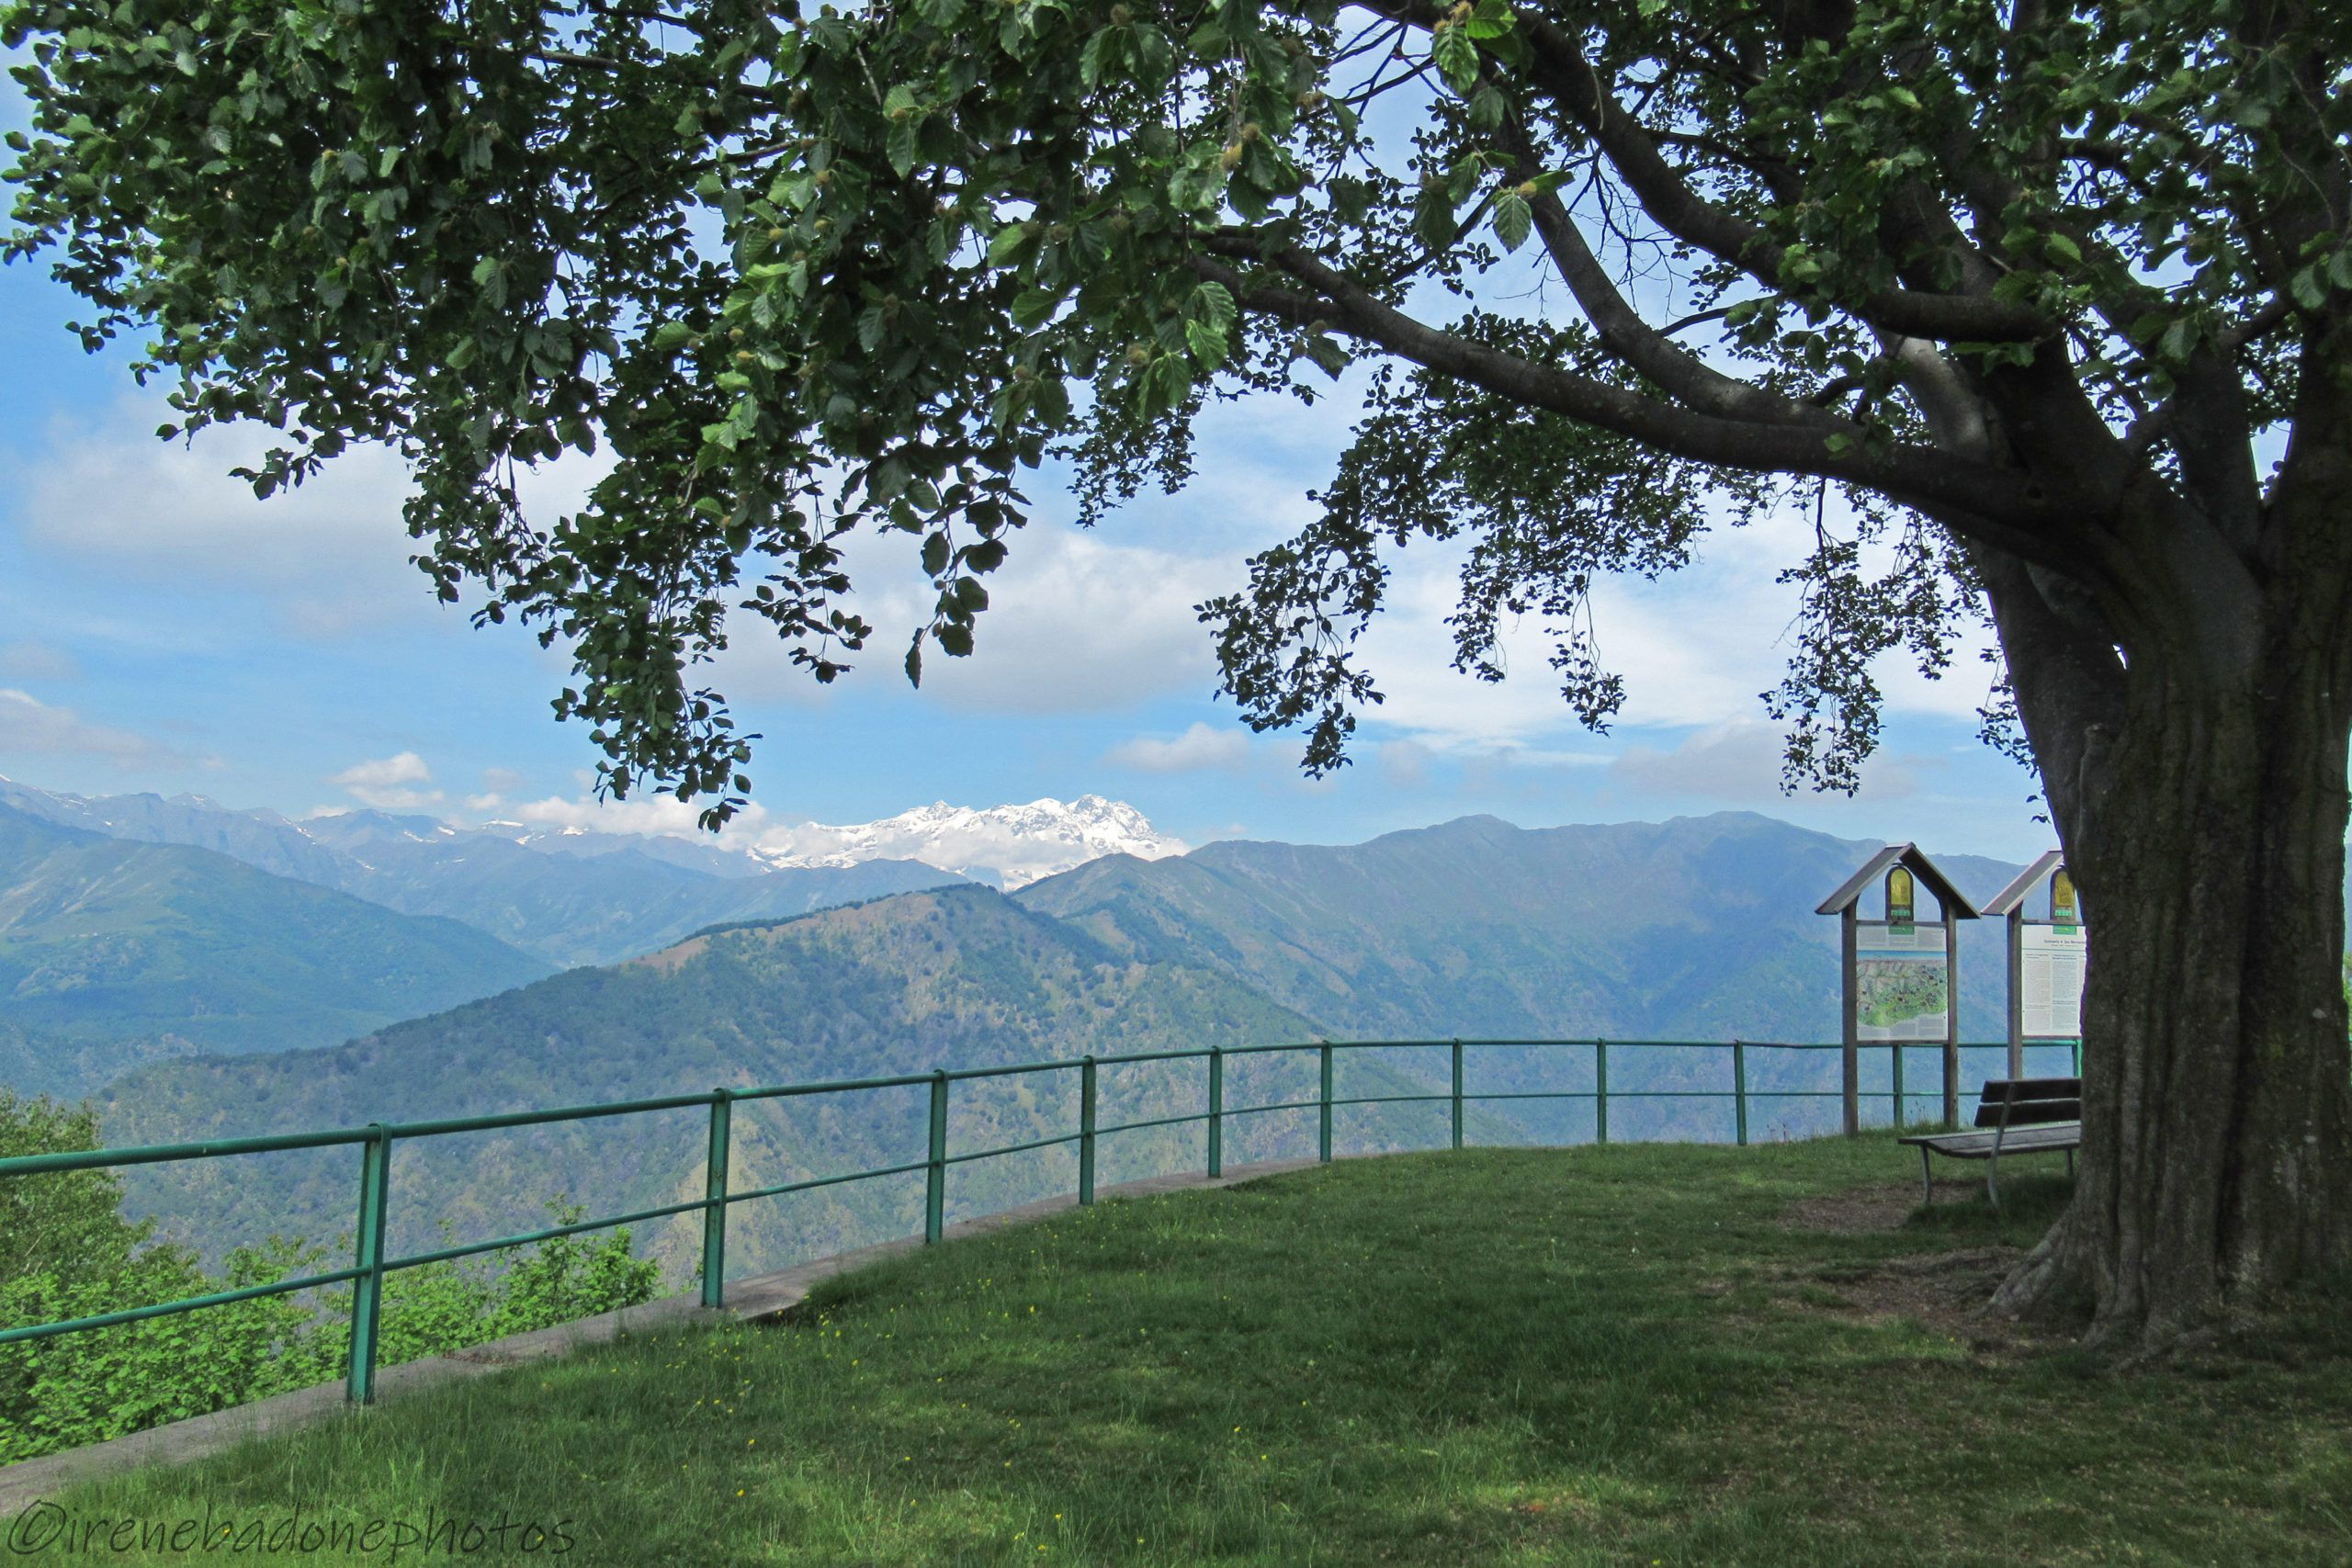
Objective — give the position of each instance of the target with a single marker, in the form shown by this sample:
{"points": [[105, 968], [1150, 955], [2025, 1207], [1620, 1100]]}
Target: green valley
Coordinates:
{"points": [[959, 976]]}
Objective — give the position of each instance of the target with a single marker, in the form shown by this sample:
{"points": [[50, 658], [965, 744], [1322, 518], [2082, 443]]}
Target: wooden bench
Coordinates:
{"points": [[2014, 1116]]}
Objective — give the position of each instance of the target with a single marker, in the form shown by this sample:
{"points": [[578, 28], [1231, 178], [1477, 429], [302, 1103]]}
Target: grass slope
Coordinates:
{"points": [[1651, 1355]]}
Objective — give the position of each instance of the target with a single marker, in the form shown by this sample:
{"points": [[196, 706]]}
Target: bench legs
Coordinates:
{"points": [[1927, 1178]]}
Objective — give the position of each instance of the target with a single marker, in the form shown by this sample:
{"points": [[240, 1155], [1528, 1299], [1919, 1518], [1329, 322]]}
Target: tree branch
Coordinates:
{"points": [[1559, 67], [2039, 520]]}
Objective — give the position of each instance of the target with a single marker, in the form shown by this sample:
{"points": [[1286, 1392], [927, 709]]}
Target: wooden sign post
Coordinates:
{"points": [[2047, 959], [1900, 976]]}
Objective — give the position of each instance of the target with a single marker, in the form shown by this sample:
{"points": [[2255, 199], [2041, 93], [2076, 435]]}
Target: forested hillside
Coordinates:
{"points": [[112, 951], [1697, 929], [959, 977]]}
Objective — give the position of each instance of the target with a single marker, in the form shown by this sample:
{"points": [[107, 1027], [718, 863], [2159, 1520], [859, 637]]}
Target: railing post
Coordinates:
{"points": [[713, 1193], [1600, 1091], [1898, 1095], [1217, 1112], [1739, 1089], [934, 1177], [1323, 1130], [1086, 1130], [368, 1291], [1457, 1094], [2078, 1057]]}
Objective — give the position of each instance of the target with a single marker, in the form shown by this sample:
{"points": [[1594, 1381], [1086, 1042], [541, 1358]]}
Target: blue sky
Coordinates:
{"points": [[162, 630]]}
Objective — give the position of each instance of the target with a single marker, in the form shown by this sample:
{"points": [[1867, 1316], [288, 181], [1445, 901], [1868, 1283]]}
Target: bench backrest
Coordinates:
{"points": [[2029, 1101]]}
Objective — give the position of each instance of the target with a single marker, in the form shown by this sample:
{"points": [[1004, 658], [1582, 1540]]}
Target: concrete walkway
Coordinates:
{"points": [[763, 1296]]}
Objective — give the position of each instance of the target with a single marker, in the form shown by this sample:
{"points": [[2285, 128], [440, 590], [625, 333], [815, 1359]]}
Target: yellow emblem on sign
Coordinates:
{"points": [[2064, 911]]}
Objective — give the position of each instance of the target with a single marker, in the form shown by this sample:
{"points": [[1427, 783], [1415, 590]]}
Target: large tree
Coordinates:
{"points": [[2055, 299]]}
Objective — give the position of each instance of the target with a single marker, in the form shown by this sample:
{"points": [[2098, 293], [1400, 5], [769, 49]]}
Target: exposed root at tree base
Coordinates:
{"points": [[1945, 1293]]}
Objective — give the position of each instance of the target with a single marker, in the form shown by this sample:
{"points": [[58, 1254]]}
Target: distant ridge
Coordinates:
{"points": [[1701, 927], [956, 976], [112, 951], [570, 898], [1006, 846]]}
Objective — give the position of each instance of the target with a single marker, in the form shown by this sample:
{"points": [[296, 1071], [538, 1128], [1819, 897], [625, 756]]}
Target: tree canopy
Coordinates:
{"points": [[793, 274]]}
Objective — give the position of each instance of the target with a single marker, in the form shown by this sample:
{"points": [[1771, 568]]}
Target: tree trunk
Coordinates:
{"points": [[2204, 819]]}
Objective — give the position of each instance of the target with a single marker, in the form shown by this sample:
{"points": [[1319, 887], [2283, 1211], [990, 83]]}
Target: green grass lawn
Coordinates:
{"points": [[1647, 1354]]}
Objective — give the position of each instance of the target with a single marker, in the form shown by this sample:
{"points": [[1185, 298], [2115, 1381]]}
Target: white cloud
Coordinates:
{"points": [[29, 727], [1199, 749], [406, 767], [330, 558], [1695, 648], [1405, 761], [383, 783], [1739, 761], [1076, 623], [26, 659], [648, 814]]}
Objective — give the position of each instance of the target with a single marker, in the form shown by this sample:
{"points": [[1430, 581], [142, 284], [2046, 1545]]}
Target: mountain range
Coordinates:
{"points": [[114, 950], [139, 961], [568, 897], [899, 986], [1697, 929], [1006, 846]]}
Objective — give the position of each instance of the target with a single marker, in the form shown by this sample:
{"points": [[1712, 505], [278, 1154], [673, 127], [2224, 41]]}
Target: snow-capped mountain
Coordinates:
{"points": [[1011, 846]]}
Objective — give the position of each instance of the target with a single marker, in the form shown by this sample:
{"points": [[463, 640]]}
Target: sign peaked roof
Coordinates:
{"points": [[2033, 876], [1955, 903]]}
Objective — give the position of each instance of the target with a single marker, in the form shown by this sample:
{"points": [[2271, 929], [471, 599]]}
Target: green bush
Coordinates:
{"points": [[67, 1251]]}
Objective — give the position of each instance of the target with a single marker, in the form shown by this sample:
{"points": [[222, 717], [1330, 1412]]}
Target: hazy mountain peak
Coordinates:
{"points": [[1011, 846]]}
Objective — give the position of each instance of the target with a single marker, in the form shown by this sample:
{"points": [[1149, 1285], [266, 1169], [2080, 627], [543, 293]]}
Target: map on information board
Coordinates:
{"points": [[1902, 985], [2050, 981]]}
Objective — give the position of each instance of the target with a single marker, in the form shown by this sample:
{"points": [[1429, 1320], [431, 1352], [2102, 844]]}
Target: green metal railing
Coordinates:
{"points": [[376, 1143]]}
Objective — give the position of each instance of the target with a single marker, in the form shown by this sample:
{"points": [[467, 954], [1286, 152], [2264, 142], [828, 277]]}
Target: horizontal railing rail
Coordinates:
{"points": [[378, 1140]]}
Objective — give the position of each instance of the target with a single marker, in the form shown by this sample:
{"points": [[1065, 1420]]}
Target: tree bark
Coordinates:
{"points": [[2202, 803]]}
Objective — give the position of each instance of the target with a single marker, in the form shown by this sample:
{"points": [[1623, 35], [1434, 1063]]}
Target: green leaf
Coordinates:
{"points": [[1010, 241], [1456, 57], [904, 145], [1212, 302], [1035, 307], [1513, 218], [1326, 353], [1492, 18], [1206, 341], [2309, 287]]}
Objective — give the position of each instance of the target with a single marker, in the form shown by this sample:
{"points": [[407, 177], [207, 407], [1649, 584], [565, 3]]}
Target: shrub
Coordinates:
{"points": [[67, 1251]]}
